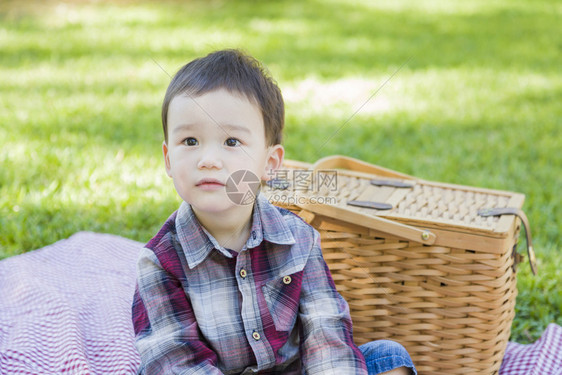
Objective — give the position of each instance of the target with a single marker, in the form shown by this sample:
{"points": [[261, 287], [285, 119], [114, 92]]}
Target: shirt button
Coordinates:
{"points": [[256, 335], [243, 273], [287, 280]]}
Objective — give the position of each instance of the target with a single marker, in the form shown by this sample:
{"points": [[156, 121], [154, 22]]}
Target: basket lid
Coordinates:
{"points": [[374, 191]]}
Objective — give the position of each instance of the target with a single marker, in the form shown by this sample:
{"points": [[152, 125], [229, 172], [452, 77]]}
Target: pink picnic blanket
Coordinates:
{"points": [[65, 309]]}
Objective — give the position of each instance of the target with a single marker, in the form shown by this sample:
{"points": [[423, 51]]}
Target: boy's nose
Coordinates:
{"points": [[209, 160]]}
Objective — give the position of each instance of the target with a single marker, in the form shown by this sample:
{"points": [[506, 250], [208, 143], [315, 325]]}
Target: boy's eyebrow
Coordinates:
{"points": [[183, 127], [234, 127], [223, 127]]}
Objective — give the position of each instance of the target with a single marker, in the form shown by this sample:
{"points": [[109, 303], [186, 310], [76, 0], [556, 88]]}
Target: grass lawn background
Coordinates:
{"points": [[476, 100]]}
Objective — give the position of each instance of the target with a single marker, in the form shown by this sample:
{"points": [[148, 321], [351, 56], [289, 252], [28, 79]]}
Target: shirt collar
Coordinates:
{"points": [[197, 243]]}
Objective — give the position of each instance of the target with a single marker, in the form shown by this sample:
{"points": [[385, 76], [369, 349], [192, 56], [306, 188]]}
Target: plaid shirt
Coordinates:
{"points": [[271, 309]]}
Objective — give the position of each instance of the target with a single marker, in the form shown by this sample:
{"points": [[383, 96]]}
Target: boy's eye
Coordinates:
{"points": [[232, 142], [190, 141]]}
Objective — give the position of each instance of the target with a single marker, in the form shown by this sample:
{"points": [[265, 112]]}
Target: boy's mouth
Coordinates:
{"points": [[209, 183]]}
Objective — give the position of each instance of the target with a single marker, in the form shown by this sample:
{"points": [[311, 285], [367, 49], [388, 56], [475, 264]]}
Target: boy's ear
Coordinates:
{"points": [[166, 159], [274, 161]]}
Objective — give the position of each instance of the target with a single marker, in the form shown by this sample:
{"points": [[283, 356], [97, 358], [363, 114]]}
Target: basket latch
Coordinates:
{"points": [[371, 204], [393, 183], [521, 215]]}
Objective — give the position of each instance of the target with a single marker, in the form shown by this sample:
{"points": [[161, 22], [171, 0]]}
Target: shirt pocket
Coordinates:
{"points": [[282, 296]]}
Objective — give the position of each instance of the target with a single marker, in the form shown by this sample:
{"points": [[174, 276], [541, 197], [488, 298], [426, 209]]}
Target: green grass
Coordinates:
{"points": [[475, 100]]}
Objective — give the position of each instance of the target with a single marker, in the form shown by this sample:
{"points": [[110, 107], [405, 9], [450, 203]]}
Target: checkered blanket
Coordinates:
{"points": [[65, 309], [542, 357]]}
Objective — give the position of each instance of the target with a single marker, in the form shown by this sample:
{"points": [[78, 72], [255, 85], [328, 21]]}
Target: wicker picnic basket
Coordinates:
{"points": [[427, 264]]}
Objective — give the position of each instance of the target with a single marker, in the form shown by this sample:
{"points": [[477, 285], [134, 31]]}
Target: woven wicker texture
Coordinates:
{"points": [[450, 306]]}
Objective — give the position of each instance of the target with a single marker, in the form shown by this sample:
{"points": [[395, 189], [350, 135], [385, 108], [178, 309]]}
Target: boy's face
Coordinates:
{"points": [[210, 137]]}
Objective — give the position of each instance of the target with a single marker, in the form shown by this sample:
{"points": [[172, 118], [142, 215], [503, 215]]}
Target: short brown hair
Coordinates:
{"points": [[237, 72]]}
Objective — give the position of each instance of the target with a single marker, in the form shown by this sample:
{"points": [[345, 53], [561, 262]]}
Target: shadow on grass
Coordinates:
{"points": [[327, 39]]}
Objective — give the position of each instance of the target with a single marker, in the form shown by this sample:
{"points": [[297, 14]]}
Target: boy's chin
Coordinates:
{"points": [[219, 207]]}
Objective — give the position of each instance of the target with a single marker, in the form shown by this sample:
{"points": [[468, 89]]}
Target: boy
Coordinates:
{"points": [[227, 287]]}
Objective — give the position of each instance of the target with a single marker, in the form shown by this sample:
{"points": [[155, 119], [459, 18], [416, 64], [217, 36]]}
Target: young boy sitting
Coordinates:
{"points": [[234, 288]]}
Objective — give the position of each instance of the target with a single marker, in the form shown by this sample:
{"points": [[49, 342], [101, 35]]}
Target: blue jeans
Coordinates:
{"points": [[385, 355]]}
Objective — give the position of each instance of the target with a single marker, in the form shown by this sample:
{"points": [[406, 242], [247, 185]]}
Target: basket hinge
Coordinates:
{"points": [[517, 258]]}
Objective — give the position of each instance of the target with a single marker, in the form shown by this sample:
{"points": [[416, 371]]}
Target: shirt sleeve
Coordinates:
{"points": [[327, 345], [167, 335]]}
